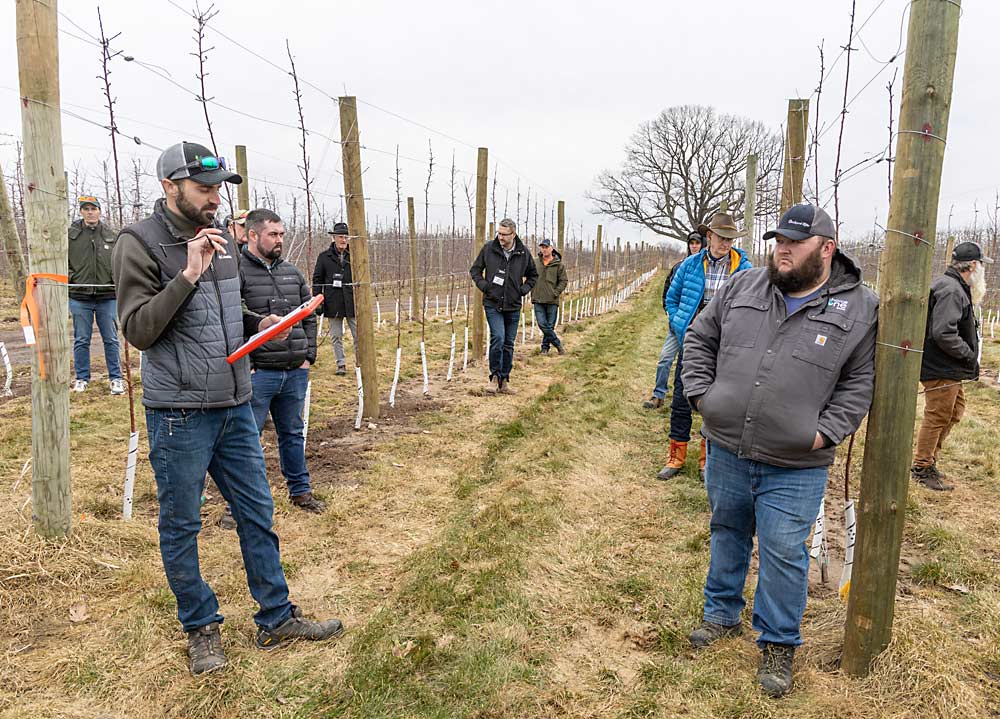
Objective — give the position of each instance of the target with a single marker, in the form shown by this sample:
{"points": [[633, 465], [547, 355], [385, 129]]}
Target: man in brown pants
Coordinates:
{"points": [[951, 356]]}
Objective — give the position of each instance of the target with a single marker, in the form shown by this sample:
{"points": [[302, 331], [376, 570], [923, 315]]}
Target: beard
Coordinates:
{"points": [[800, 278], [273, 254], [198, 215], [977, 284]]}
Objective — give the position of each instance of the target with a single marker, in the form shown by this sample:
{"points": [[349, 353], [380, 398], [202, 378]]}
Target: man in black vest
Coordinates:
{"points": [[280, 367], [179, 302], [951, 356], [332, 279]]}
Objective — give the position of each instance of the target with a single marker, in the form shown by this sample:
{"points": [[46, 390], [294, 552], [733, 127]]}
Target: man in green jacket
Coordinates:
{"points": [[552, 280], [92, 294]]}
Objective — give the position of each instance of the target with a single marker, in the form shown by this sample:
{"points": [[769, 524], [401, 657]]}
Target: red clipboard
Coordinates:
{"points": [[293, 317]]}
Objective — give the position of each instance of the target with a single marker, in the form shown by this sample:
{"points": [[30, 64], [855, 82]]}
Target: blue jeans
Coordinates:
{"points": [[780, 505], [184, 444], [283, 394], [83, 312], [545, 316], [680, 410], [503, 332], [667, 354]]}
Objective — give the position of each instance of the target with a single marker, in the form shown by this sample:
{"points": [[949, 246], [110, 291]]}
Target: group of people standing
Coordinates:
{"points": [[779, 361]]}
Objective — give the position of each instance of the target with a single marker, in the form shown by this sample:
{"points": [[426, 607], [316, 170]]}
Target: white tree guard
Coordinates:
{"points": [[395, 378], [465, 351], [451, 358], [319, 328], [7, 392], [819, 534], [447, 304], [437, 307], [305, 412], [423, 367], [851, 534], [129, 491], [378, 314], [486, 355], [361, 399], [524, 335], [410, 305], [140, 361]]}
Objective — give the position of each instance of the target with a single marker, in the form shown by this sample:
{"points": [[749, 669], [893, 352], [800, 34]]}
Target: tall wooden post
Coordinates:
{"points": [[750, 206], [45, 217], [10, 242], [361, 274], [795, 153], [243, 189], [478, 317], [948, 249], [597, 267], [618, 256], [932, 44], [561, 219], [414, 285]]}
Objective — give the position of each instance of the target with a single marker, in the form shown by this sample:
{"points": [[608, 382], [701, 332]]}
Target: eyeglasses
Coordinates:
{"points": [[202, 163]]}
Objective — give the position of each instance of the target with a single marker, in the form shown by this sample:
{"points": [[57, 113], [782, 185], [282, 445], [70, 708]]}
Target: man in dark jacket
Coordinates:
{"points": [[781, 366], [270, 285], [695, 243], [92, 294], [951, 354], [179, 292], [332, 279], [696, 282], [552, 280], [504, 272]]}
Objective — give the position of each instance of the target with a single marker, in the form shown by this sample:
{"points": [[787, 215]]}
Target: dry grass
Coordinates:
{"points": [[503, 557]]}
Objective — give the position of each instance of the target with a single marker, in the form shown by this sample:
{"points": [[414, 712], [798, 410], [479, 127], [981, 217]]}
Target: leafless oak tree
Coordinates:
{"points": [[680, 167]]}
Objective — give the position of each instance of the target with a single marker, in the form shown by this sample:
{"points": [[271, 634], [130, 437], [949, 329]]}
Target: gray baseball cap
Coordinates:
{"points": [[802, 221], [187, 160]]}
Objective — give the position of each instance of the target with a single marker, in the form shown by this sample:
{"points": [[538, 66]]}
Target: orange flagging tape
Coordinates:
{"points": [[29, 313]]}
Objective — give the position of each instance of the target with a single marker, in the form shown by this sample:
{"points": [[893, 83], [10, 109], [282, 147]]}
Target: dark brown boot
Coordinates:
{"points": [[930, 478], [309, 503]]}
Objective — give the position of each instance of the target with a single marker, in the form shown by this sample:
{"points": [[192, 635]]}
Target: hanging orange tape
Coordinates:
{"points": [[29, 312]]}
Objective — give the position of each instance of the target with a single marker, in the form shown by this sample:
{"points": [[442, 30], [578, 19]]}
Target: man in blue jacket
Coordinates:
{"points": [[699, 278]]}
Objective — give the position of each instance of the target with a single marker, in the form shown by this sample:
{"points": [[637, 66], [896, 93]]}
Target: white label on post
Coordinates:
{"points": [[133, 454], [29, 335]]}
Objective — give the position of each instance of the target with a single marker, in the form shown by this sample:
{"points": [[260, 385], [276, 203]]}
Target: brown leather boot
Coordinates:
{"points": [[701, 459], [678, 453]]}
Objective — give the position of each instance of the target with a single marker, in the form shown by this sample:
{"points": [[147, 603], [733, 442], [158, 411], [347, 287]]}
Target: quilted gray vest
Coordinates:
{"points": [[187, 368]]}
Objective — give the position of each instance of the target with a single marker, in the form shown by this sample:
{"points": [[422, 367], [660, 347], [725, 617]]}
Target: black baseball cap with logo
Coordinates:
{"points": [[802, 221], [968, 251], [190, 161]]}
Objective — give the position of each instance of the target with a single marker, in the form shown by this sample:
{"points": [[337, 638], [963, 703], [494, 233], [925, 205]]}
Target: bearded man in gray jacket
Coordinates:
{"points": [[781, 366]]}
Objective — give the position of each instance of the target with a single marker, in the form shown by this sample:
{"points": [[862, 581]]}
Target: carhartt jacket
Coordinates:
{"points": [[766, 383], [552, 280], [90, 251], [504, 281], [951, 345]]}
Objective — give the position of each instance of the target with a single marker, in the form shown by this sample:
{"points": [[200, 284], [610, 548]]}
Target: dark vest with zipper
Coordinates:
{"points": [[187, 368], [277, 289]]}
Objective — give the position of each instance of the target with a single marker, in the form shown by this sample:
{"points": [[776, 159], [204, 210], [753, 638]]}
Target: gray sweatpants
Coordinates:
{"points": [[337, 338]]}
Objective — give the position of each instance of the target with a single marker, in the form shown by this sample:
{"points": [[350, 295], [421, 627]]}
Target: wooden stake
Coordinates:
{"points": [[750, 205], [414, 286], [479, 239], [561, 226], [932, 44], [360, 266], [45, 217], [243, 189], [597, 269], [10, 242], [795, 153]]}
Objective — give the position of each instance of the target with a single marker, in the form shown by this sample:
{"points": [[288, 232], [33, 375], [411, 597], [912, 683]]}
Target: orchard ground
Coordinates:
{"points": [[507, 556]]}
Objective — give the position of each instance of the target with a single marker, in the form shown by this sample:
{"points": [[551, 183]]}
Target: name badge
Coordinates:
{"points": [[498, 281], [338, 283]]}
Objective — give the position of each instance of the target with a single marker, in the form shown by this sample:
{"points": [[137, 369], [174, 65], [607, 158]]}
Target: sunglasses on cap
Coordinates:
{"points": [[202, 163], [87, 200]]}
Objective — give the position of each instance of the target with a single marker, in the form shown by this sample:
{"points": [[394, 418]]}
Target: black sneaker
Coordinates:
{"points": [[295, 627], [560, 350], [309, 503], [205, 650], [710, 632], [544, 350], [341, 370], [775, 672], [930, 478]]}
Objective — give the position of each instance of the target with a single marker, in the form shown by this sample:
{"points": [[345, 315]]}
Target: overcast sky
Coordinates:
{"points": [[553, 89]]}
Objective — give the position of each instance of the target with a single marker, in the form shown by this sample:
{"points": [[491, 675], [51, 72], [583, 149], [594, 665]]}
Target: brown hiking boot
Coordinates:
{"points": [[492, 386], [205, 650], [295, 627], [702, 457], [653, 403], [505, 387], [775, 672], [930, 478], [228, 522], [309, 503], [678, 453], [710, 632]]}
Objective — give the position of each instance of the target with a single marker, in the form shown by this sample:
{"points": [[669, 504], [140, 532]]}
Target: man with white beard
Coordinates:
{"points": [[951, 352]]}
